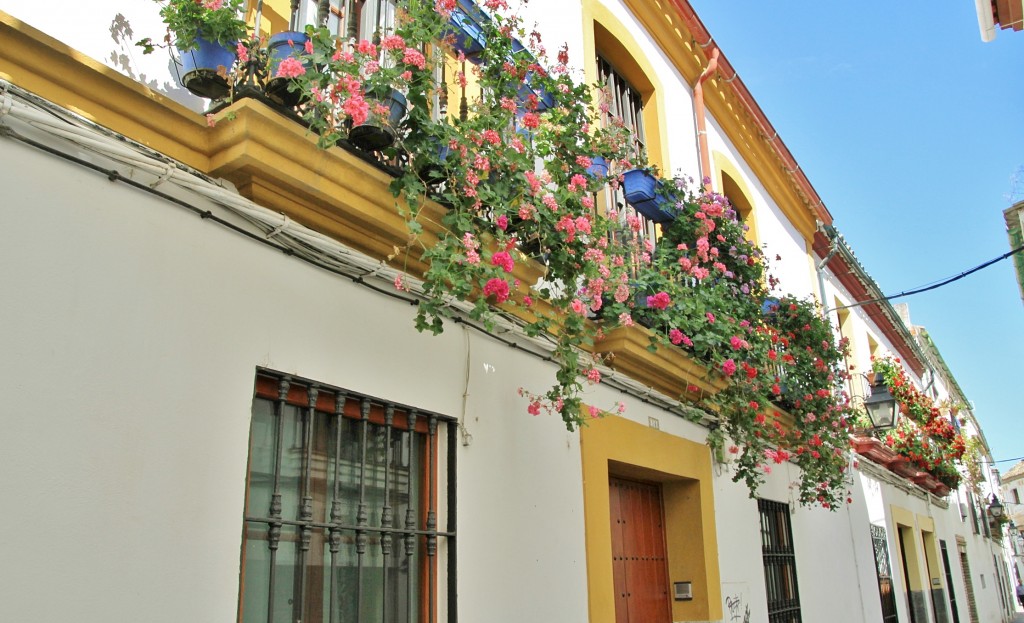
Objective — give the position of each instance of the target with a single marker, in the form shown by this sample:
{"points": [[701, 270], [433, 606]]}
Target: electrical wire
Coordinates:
{"points": [[934, 285]]}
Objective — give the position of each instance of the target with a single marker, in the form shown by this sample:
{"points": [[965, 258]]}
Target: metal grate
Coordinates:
{"points": [[626, 104], [883, 569], [779, 563], [342, 507]]}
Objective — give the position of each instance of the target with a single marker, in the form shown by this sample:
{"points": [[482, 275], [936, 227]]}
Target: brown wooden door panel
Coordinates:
{"points": [[639, 561]]}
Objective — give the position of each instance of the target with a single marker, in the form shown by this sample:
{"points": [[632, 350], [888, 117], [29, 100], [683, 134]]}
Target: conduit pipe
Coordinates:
{"points": [[701, 114]]}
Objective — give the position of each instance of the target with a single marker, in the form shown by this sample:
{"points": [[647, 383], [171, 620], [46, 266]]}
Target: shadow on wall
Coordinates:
{"points": [[122, 58]]}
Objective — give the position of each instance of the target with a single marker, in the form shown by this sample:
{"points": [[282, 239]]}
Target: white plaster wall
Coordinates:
{"points": [[131, 333]]}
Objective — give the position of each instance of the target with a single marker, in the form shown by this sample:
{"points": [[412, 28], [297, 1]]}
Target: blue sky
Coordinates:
{"points": [[910, 128]]}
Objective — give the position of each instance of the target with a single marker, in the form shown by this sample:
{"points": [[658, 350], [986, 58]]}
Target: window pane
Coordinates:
{"points": [[261, 458], [256, 574], [291, 462]]}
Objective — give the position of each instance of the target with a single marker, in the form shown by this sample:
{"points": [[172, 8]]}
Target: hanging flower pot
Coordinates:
{"points": [[283, 45], [378, 131], [648, 196], [204, 69]]}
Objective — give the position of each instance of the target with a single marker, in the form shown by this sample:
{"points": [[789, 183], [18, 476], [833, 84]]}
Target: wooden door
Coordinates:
{"points": [[640, 566]]}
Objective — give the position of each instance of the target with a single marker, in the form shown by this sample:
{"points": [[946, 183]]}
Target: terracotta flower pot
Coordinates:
{"points": [[901, 466], [874, 449]]}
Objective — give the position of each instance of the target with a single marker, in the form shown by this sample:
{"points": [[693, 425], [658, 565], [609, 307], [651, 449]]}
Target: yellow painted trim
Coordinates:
{"points": [[723, 166], [668, 370], [617, 446], [902, 516], [931, 555], [906, 521], [677, 43], [621, 49]]}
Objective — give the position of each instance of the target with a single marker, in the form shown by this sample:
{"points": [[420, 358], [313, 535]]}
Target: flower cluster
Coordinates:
{"points": [[705, 288], [353, 82], [925, 435]]}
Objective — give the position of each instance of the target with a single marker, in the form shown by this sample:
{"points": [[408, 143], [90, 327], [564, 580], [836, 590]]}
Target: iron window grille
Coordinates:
{"points": [[883, 570], [626, 104], [353, 19], [779, 562], [343, 502]]}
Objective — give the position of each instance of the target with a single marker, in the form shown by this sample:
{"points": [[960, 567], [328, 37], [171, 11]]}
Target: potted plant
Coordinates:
{"points": [[649, 195], [282, 46], [357, 88], [205, 33]]}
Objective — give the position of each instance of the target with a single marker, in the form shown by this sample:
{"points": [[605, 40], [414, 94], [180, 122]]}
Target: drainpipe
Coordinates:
{"points": [[702, 132]]}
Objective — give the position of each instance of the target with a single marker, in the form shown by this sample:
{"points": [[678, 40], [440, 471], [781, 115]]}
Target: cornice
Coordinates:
{"points": [[667, 370]]}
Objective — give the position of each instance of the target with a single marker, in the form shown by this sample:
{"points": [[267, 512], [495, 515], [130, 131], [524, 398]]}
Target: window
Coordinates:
{"points": [[359, 19], [1014, 493], [626, 104], [343, 506], [779, 563]]}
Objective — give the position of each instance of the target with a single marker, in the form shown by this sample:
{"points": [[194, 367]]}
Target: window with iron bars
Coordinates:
{"points": [[625, 104], [779, 562], [353, 19], [343, 505]]}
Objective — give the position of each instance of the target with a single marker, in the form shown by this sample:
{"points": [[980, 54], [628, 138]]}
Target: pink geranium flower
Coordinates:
{"points": [[498, 288], [504, 260], [661, 300], [290, 68]]}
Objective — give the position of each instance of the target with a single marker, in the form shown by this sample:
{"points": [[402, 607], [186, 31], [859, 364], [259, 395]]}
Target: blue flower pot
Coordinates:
{"points": [[598, 167], [642, 192], [203, 69], [374, 136], [283, 45], [466, 29]]}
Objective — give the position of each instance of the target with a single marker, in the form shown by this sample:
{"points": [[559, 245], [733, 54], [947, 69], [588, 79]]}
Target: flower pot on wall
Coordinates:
{"points": [[874, 449], [376, 134], [204, 69], [641, 190], [902, 466], [466, 29], [279, 47]]}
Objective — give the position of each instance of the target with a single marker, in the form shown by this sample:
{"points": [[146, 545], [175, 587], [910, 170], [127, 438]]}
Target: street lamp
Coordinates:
{"points": [[880, 405], [995, 507]]}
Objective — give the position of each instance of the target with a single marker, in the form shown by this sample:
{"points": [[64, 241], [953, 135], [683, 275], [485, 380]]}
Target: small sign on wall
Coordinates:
{"points": [[683, 591]]}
